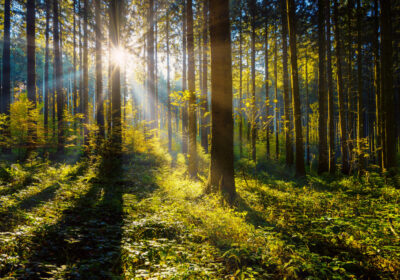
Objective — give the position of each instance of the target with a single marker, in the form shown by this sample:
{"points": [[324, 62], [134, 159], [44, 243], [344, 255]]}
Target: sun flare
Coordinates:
{"points": [[119, 55]]}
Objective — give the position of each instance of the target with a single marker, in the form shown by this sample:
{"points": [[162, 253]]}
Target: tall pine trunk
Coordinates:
{"points": [[85, 96], [387, 85], [59, 78], [46, 70], [99, 73], [184, 82], [204, 82], [323, 164], [342, 109], [286, 98], [291, 18], [360, 103], [31, 64], [276, 94], [331, 103], [253, 121], [116, 137], [192, 89], [221, 167], [168, 89], [267, 99], [6, 82]]}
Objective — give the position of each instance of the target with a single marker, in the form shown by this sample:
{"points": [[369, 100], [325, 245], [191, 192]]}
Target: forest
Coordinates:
{"points": [[200, 139]]}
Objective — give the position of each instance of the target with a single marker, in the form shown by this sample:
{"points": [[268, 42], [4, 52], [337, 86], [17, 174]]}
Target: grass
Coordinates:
{"points": [[68, 221]]}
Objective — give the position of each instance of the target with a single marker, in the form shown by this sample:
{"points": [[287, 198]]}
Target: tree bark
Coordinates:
{"points": [[342, 109], [204, 102], [253, 121], [331, 102], [291, 18], [59, 78], [267, 99], [276, 94], [85, 71], [46, 70], [323, 164], [115, 15], [387, 85], [221, 168], [168, 89], [360, 103], [99, 73], [286, 99], [6, 82], [192, 89], [184, 82]]}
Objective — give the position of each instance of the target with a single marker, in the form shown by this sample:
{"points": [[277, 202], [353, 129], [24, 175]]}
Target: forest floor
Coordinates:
{"points": [[69, 221]]}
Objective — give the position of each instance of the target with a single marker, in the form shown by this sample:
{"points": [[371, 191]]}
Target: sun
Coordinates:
{"points": [[119, 55]]}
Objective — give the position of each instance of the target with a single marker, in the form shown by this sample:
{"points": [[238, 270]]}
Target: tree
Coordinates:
{"points": [[99, 74], [192, 89], [266, 82], [168, 88], [116, 137], [286, 99], [291, 18], [85, 97], [221, 175], [58, 78], [6, 82], [46, 68], [253, 79], [151, 96], [331, 103], [185, 127], [31, 57], [204, 103], [276, 93], [323, 164], [74, 89], [387, 85], [360, 109], [339, 78]]}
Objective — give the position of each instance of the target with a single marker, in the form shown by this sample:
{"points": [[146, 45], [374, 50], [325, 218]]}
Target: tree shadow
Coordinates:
{"points": [[15, 215], [86, 242]]}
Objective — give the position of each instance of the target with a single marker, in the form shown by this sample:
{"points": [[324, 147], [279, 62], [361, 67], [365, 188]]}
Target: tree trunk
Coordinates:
{"points": [[253, 121], [240, 87], [360, 103], [184, 82], [307, 115], [115, 15], [286, 99], [342, 109], [276, 95], [331, 103], [6, 82], [168, 89], [192, 89], [204, 103], [323, 164], [99, 74], [267, 99], [46, 70], [59, 79], [221, 168], [74, 94], [291, 18], [85, 70], [387, 85], [377, 87], [31, 64]]}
